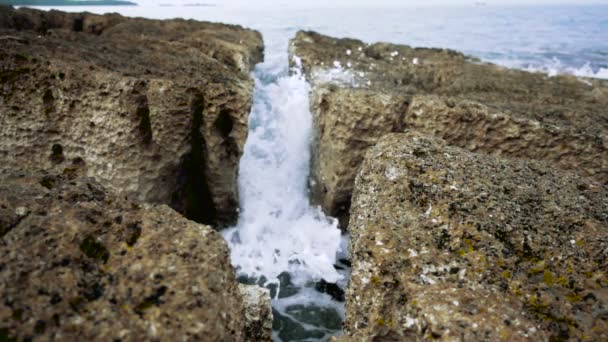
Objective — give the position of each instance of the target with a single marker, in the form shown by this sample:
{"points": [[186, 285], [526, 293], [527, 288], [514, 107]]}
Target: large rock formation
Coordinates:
{"points": [[361, 92], [79, 263], [452, 245], [156, 110]]}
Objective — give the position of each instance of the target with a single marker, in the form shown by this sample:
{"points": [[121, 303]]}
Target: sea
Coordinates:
{"points": [[281, 241]]}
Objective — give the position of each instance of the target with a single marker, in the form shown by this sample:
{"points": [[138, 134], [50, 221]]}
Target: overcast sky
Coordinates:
{"points": [[372, 2]]}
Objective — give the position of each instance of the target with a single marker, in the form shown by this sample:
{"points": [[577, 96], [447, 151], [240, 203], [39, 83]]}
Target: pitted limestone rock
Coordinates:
{"points": [[80, 263], [361, 92], [155, 110], [449, 244]]}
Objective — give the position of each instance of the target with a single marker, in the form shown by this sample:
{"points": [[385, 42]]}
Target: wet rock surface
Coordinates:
{"points": [[448, 244], [361, 92], [258, 312], [156, 110], [78, 262]]}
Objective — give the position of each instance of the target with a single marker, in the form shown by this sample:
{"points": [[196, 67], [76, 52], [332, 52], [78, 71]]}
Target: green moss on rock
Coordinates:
{"points": [[135, 233], [151, 300], [94, 249], [48, 182], [20, 57]]}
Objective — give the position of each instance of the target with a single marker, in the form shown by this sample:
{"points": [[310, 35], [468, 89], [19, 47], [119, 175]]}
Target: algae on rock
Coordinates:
{"points": [[449, 244]]}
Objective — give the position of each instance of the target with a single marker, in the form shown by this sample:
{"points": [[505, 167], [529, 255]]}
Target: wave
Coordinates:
{"points": [[556, 67]]}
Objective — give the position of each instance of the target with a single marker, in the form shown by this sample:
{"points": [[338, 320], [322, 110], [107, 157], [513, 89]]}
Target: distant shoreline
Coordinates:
{"points": [[68, 3]]}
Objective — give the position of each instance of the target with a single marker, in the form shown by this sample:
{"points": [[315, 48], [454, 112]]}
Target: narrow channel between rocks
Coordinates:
{"points": [[280, 241]]}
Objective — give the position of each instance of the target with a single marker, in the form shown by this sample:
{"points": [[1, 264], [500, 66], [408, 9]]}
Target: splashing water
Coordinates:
{"points": [[278, 230], [281, 241], [556, 67]]}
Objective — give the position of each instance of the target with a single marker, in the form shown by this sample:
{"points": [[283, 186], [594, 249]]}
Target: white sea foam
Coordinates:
{"points": [[556, 67], [339, 75], [278, 231], [309, 299]]}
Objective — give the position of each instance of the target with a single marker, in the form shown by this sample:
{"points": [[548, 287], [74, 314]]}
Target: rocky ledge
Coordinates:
{"points": [[80, 263], [361, 92], [126, 117], [155, 110], [452, 245], [480, 206]]}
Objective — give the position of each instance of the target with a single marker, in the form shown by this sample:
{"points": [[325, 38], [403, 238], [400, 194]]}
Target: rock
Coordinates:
{"points": [[80, 263], [361, 92], [155, 110], [452, 245], [347, 123], [258, 313], [482, 128]]}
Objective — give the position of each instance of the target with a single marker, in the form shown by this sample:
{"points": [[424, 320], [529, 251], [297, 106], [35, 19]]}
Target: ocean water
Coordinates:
{"points": [[552, 39], [281, 241]]}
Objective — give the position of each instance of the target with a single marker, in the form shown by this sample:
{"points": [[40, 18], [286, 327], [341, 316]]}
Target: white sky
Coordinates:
{"points": [[373, 2]]}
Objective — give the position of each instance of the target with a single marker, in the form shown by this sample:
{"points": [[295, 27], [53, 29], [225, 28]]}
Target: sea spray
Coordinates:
{"points": [[556, 67], [281, 241], [278, 230]]}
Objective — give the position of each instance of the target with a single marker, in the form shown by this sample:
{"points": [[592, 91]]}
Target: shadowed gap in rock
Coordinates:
{"points": [[193, 196]]}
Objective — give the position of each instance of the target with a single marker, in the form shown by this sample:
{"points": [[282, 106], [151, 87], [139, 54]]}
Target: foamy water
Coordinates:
{"points": [[281, 241], [556, 67], [278, 230]]}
